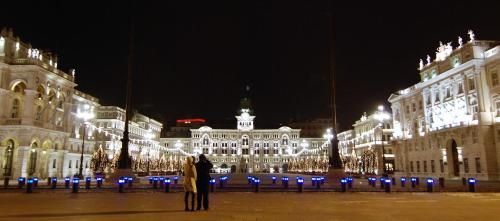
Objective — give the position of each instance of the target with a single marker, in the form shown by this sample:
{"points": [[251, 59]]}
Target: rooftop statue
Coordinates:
{"points": [[421, 65], [428, 60], [460, 42], [472, 36]]}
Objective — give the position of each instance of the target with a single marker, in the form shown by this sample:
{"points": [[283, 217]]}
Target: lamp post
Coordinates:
{"points": [[85, 115], [381, 116]]}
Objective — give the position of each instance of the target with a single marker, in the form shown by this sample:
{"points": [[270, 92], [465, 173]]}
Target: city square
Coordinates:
{"points": [[279, 110]]}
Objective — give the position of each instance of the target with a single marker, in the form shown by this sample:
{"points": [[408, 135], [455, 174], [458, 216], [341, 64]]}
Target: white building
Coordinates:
{"points": [[246, 149], [361, 148], [41, 129], [447, 125]]}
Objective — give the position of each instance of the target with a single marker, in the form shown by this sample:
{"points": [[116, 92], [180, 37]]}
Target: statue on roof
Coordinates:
{"points": [[428, 60], [472, 36], [460, 42], [421, 65]]}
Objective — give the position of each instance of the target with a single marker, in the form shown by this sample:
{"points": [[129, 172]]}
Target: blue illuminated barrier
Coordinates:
{"points": [[155, 182], [372, 181], [167, 184], [273, 178], [382, 182], [394, 181], [99, 182], [256, 183], [87, 183], [161, 181], [53, 183], [430, 184], [176, 180], [387, 185], [130, 181], [284, 182], [300, 184], [472, 184], [21, 181], [343, 184], [403, 181], [249, 179], [413, 182], [211, 182], [349, 182], [66, 182], [314, 180], [121, 184], [222, 181], [29, 187], [76, 184], [322, 180], [35, 182], [150, 180]]}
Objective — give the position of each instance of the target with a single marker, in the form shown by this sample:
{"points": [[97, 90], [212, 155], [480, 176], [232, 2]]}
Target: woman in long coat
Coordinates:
{"points": [[189, 182]]}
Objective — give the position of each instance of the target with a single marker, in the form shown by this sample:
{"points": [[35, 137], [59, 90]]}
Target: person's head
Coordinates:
{"points": [[202, 157], [194, 159], [189, 160]]}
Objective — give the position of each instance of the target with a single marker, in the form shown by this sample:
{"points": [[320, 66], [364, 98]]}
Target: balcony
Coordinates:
{"points": [[13, 121]]}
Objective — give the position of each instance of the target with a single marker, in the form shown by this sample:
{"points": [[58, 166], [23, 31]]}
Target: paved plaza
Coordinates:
{"points": [[47, 205]]}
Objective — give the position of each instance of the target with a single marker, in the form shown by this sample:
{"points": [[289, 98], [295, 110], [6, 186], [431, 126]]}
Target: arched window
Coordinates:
{"points": [[8, 158], [32, 160], [19, 88], [205, 140], [244, 140], [15, 109], [284, 140], [39, 113]]}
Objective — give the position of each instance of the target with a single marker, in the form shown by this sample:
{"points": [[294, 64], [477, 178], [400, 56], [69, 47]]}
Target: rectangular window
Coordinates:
{"points": [[233, 151], [69, 165], [54, 163], [472, 85], [478, 165], [76, 165], [466, 165], [433, 166], [441, 166], [413, 107], [418, 166], [266, 151], [244, 151], [256, 152], [205, 150], [275, 151], [411, 166], [425, 166]]}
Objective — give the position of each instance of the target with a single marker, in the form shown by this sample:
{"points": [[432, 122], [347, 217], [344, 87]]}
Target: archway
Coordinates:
{"points": [[233, 169], [223, 166], [8, 158], [454, 158]]}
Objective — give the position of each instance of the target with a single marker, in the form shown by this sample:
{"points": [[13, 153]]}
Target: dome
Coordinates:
{"points": [[205, 128]]}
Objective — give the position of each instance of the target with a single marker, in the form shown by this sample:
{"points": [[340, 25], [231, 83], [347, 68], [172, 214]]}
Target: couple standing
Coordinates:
{"points": [[196, 178]]}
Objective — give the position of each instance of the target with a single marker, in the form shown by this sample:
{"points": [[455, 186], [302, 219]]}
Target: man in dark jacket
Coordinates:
{"points": [[203, 168]]}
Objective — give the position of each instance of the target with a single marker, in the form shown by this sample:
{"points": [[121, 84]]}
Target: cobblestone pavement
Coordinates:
{"points": [[61, 205]]}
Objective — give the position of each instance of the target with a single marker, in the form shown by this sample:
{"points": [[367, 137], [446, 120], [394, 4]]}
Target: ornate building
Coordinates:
{"points": [[246, 149], [361, 148], [447, 124], [44, 120]]}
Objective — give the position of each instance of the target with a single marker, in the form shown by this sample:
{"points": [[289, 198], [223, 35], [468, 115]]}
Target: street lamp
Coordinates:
{"points": [[149, 136], [381, 116], [86, 114]]}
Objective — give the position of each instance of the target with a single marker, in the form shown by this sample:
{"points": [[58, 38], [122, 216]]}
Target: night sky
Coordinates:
{"points": [[194, 59]]}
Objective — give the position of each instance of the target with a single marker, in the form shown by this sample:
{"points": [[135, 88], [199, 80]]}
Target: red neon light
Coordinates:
{"points": [[188, 121]]}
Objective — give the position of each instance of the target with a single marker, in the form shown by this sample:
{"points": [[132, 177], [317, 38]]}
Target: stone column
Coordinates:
{"points": [[2, 155]]}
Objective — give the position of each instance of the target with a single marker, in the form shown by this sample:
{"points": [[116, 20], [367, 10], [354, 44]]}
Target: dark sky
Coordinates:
{"points": [[194, 59]]}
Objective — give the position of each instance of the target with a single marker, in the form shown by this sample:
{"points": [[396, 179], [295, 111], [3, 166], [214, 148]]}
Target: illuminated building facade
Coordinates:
{"points": [[41, 124], [361, 148], [447, 125], [246, 149]]}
